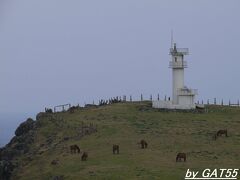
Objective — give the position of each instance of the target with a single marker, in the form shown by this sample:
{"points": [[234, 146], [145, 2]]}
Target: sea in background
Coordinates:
{"points": [[9, 123]]}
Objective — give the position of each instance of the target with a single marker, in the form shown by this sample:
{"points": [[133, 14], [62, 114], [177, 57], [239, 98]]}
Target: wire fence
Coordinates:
{"points": [[220, 102], [151, 97]]}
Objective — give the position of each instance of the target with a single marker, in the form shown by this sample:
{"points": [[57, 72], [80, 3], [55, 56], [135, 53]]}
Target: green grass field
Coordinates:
{"points": [[125, 124]]}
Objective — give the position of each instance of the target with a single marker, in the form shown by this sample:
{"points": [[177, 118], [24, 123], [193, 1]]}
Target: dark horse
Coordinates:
{"points": [[84, 156], [222, 132], [181, 156], [143, 143], [74, 149], [115, 149]]}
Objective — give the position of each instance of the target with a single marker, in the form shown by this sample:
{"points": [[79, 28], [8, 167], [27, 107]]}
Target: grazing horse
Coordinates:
{"points": [[74, 149], [115, 149], [181, 156], [84, 156], [221, 132], [143, 143]]}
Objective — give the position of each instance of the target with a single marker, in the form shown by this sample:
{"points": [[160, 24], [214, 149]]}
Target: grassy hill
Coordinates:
{"points": [[125, 124]]}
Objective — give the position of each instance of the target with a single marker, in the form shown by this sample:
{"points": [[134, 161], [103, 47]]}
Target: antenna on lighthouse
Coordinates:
{"points": [[171, 38]]}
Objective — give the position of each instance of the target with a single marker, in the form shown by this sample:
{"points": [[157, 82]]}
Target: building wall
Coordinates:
{"points": [[186, 99], [168, 105]]}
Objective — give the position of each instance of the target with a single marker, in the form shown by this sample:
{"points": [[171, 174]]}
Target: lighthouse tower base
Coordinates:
{"points": [[160, 104]]}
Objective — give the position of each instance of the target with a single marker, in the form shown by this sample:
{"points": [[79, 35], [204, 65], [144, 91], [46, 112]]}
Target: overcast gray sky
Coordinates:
{"points": [[75, 51]]}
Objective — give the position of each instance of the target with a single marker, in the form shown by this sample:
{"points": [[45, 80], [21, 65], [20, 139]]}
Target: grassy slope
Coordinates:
{"points": [[166, 132]]}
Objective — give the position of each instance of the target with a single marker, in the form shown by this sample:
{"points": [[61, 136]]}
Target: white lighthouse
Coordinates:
{"points": [[182, 96]]}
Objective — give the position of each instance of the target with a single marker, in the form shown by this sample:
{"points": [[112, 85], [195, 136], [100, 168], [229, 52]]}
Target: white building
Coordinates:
{"points": [[182, 96]]}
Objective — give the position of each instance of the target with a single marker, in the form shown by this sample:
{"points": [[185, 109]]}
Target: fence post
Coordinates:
{"points": [[208, 101], [215, 101], [151, 97], [158, 97], [130, 98], [82, 127], [222, 102], [165, 98], [124, 98], [229, 103], [141, 97]]}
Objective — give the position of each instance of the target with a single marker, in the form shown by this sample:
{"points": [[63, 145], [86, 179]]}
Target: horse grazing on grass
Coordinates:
{"points": [[143, 143], [115, 149], [222, 132], [74, 149], [181, 156], [84, 156]]}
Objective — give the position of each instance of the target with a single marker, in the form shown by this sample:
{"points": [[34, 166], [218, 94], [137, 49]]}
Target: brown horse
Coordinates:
{"points": [[143, 143], [222, 132], [84, 156], [181, 156], [74, 149], [115, 149]]}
